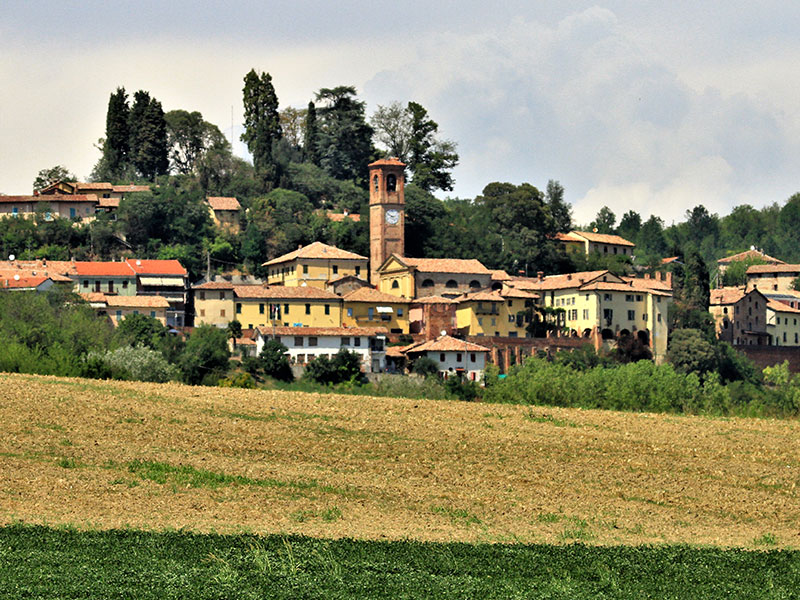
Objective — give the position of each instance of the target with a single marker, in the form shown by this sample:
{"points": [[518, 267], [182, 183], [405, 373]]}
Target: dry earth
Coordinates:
{"points": [[333, 466]]}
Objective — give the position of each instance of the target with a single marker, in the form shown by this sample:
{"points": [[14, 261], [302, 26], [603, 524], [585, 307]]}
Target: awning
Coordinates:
{"points": [[384, 309], [162, 281]]}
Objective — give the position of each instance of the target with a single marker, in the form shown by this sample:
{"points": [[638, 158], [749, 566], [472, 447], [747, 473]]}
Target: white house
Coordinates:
{"points": [[452, 355], [307, 343]]}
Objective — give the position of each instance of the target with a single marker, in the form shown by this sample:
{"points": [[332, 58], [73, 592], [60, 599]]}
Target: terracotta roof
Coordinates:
{"points": [[316, 250], [561, 282], [100, 185], [156, 267], [350, 276], [726, 295], [282, 291], [447, 265], [387, 161], [223, 203], [49, 198], [57, 270], [323, 331], [368, 294], [782, 268], [567, 237], [93, 296], [750, 254], [510, 292], [108, 202], [338, 217], [642, 283], [777, 306], [499, 275], [130, 189], [603, 238], [137, 301], [481, 296], [214, 285], [668, 260], [433, 300], [395, 351], [23, 282], [621, 287], [447, 343], [104, 269]]}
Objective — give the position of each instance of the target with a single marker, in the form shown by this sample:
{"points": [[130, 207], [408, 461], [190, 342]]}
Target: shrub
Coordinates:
{"points": [[238, 380], [274, 362], [344, 366], [205, 357], [137, 363], [425, 366]]}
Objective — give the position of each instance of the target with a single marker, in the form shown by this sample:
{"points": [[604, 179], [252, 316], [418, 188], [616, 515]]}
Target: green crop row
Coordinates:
{"points": [[42, 562]]}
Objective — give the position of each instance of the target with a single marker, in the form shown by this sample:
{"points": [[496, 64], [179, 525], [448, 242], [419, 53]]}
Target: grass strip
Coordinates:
{"points": [[42, 562]]}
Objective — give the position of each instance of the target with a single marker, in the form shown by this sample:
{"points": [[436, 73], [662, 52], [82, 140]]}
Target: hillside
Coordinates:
{"points": [[114, 454]]}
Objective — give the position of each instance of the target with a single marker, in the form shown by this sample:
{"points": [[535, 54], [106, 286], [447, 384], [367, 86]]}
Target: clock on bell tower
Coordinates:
{"points": [[386, 213]]}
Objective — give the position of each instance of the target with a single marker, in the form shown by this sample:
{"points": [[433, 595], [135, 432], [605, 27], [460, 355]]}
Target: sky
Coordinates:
{"points": [[636, 105]]}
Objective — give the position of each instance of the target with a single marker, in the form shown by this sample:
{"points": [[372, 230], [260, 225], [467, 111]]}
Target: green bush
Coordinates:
{"points": [[138, 363], [425, 366], [344, 366], [274, 361]]}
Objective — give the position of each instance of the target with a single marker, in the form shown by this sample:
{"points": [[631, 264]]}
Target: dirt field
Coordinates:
{"points": [[103, 454]]}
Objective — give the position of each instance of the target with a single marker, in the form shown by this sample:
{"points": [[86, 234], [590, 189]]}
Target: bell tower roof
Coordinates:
{"points": [[387, 162]]}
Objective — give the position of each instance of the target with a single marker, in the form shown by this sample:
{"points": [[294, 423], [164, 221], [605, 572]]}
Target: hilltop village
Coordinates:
{"points": [[390, 308]]}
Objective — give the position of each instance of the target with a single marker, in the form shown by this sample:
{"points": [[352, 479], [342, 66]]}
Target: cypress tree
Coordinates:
{"points": [[311, 142], [117, 144], [262, 126], [148, 136]]}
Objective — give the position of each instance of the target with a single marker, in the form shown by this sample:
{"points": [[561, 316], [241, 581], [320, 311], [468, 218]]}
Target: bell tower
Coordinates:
{"points": [[386, 213]]}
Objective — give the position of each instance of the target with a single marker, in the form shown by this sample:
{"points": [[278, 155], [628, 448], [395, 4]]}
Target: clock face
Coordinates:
{"points": [[392, 216]]}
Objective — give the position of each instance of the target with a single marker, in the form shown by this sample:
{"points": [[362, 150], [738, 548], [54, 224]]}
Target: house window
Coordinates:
{"points": [[222, 312], [305, 269], [86, 283], [327, 309], [395, 284], [370, 313], [125, 287], [607, 297], [15, 211], [451, 283], [358, 271], [285, 309], [312, 341], [441, 357], [136, 312], [72, 213], [628, 297], [585, 314], [784, 337], [96, 286], [427, 283], [238, 308], [458, 356], [335, 269], [399, 312], [474, 284], [202, 312], [222, 295], [308, 309], [345, 341], [260, 309], [725, 310], [119, 315], [301, 359], [608, 314], [631, 315], [638, 297], [153, 314], [471, 357], [356, 341], [644, 317], [350, 312]]}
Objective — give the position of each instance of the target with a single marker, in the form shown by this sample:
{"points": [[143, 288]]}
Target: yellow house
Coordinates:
{"points": [[495, 313], [617, 307], [772, 278], [119, 307], [601, 243], [314, 265], [213, 303], [77, 207], [367, 307], [783, 321], [419, 277], [225, 212], [301, 306]]}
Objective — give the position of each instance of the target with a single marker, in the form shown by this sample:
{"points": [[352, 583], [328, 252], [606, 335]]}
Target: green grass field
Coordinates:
{"points": [[42, 562]]}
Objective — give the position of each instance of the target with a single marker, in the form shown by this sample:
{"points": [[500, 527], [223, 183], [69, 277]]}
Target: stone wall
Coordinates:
{"points": [[767, 356]]}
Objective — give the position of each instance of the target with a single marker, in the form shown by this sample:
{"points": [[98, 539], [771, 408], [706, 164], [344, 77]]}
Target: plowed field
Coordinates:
{"points": [[116, 454]]}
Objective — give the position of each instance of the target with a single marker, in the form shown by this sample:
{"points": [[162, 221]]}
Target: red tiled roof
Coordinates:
{"points": [[481, 296], [223, 203], [447, 343], [726, 295], [323, 331], [316, 250], [560, 282], [214, 285], [750, 254], [648, 284], [621, 287], [510, 292], [23, 282], [368, 294], [49, 198], [338, 217], [156, 267], [432, 300], [387, 161], [104, 269], [782, 268], [282, 291], [93, 186], [447, 265], [130, 188], [137, 301], [778, 306], [499, 275], [603, 238]]}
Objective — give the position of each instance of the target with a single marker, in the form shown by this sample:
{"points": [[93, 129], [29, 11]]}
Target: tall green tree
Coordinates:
{"points": [[116, 147], [392, 125], [148, 136], [430, 159], [344, 137], [50, 176], [189, 137], [604, 221], [560, 210], [311, 139], [262, 125]]}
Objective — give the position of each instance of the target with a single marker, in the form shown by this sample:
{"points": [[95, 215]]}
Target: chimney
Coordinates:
{"points": [[540, 275], [647, 275], [569, 276], [669, 279], [658, 275]]}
